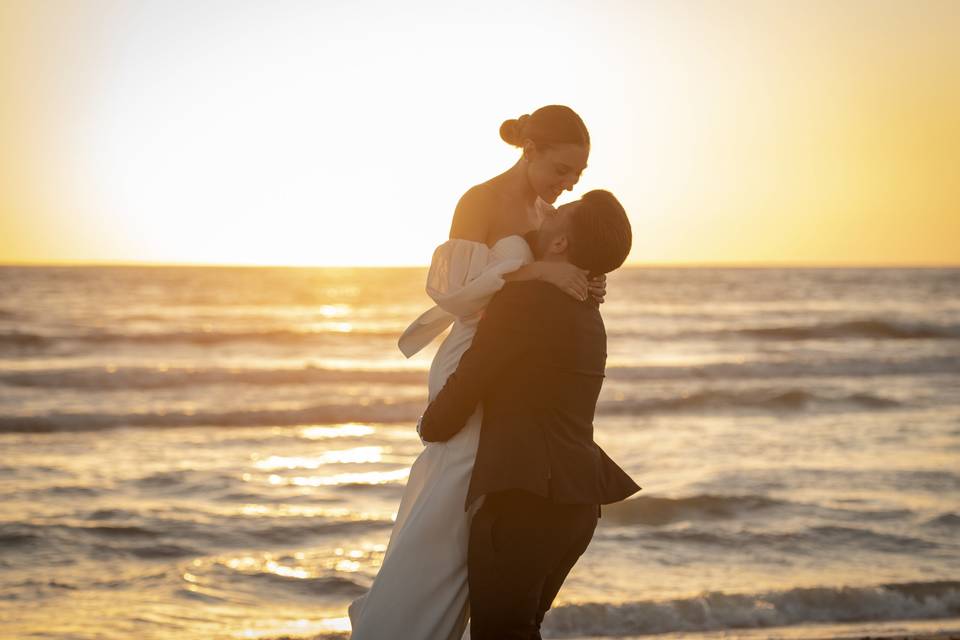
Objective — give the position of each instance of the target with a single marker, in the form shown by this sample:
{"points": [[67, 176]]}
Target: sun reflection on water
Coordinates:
{"points": [[282, 570], [347, 565], [336, 624], [275, 510], [299, 626], [348, 430], [369, 477], [333, 310], [356, 455], [338, 514]]}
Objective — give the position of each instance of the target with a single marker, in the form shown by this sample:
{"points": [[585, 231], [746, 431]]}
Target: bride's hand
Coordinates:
{"points": [[598, 288], [569, 278]]}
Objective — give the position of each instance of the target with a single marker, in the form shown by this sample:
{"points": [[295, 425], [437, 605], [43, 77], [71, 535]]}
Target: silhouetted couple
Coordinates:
{"points": [[505, 496]]}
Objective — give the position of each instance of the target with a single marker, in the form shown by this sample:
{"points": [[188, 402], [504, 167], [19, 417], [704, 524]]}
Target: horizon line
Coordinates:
{"points": [[643, 265]]}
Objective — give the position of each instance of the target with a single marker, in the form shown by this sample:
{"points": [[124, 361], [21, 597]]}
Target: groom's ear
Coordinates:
{"points": [[559, 244]]}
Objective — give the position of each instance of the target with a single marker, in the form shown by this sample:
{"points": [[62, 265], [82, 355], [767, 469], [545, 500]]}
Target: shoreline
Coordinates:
{"points": [[935, 629], [939, 629]]}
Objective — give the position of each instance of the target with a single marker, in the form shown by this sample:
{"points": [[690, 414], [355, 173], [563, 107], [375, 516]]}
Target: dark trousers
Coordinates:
{"points": [[521, 548]]}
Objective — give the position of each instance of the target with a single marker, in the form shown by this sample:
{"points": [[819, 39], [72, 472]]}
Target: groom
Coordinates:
{"points": [[537, 365]]}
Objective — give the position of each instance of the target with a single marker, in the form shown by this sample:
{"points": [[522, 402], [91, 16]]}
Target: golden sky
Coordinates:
{"points": [[340, 133]]}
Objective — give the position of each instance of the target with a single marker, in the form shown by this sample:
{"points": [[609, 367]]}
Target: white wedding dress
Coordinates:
{"points": [[420, 592]]}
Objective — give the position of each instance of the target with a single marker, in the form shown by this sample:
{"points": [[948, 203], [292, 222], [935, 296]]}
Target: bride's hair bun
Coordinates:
{"points": [[512, 130], [553, 124]]}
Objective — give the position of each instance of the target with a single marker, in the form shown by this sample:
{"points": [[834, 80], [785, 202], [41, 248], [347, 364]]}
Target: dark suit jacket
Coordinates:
{"points": [[537, 364]]}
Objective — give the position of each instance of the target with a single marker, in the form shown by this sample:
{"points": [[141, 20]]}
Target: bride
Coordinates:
{"points": [[420, 592]]}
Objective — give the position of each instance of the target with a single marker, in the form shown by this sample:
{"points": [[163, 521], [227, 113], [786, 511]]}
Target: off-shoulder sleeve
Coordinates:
{"points": [[463, 276]]}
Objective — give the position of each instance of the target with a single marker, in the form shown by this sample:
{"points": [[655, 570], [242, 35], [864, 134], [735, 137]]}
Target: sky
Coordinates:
{"points": [[343, 133]]}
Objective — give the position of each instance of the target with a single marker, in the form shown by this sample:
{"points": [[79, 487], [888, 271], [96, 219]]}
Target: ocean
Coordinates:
{"points": [[206, 452]]}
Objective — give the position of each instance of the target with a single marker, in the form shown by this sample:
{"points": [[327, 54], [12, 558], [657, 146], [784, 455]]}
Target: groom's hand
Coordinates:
{"points": [[419, 433]]}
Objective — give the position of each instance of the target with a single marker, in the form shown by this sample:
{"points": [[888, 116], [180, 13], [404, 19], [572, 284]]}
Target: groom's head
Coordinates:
{"points": [[592, 233]]}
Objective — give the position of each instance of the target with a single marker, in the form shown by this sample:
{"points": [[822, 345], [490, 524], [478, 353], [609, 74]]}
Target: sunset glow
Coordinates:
{"points": [[334, 133]]}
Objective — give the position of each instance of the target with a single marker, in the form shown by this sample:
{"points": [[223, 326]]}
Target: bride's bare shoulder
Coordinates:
{"points": [[474, 213]]}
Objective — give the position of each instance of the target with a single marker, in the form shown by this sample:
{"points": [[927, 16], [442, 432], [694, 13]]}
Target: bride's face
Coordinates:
{"points": [[555, 169]]}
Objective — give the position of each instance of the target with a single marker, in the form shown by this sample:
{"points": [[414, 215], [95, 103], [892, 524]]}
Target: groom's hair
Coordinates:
{"points": [[600, 236]]}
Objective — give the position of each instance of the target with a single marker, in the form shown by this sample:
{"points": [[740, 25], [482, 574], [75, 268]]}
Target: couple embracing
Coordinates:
{"points": [[505, 496]]}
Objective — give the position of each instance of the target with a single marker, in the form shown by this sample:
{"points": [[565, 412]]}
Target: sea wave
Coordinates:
{"points": [[841, 367], [716, 611], [662, 510], [803, 541], [387, 411], [377, 412], [169, 535], [20, 340], [764, 399], [174, 377], [196, 481], [329, 586], [154, 377], [865, 328], [946, 520], [656, 510], [698, 328], [10, 538], [161, 551]]}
